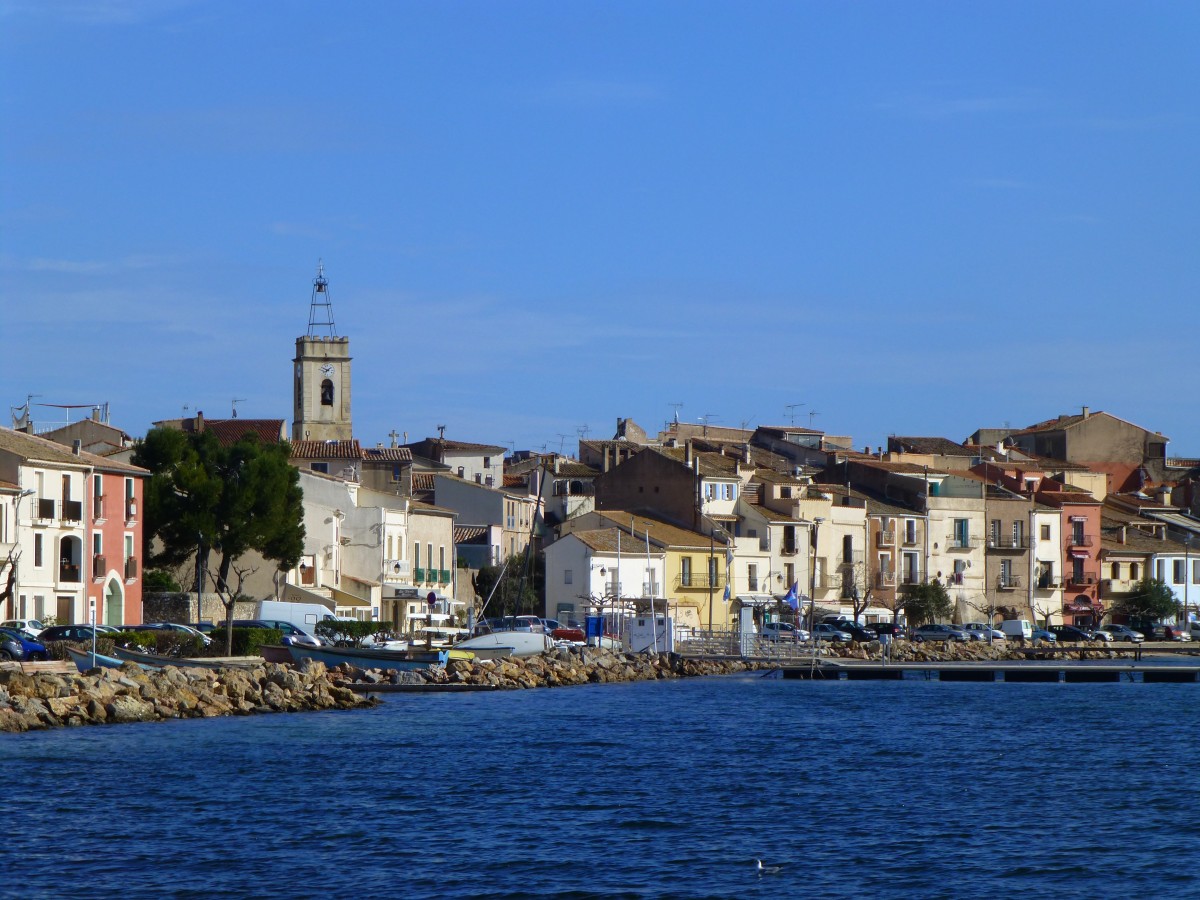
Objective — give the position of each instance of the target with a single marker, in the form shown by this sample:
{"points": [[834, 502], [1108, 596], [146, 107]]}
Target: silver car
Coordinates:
{"points": [[939, 633], [1124, 633], [981, 631]]}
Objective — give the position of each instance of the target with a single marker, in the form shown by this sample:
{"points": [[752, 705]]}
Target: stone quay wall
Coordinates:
{"points": [[556, 669], [132, 694]]}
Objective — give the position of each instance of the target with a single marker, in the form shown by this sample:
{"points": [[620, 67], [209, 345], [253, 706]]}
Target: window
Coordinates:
{"points": [[789, 574], [752, 577], [1160, 570], [327, 393], [96, 544], [1045, 532], [568, 576], [1178, 573], [912, 568], [129, 546], [962, 533], [1116, 571], [1018, 533], [910, 531], [416, 554], [1134, 569], [994, 534], [1196, 571], [1077, 570], [487, 462], [323, 468], [396, 472], [685, 571], [37, 551]]}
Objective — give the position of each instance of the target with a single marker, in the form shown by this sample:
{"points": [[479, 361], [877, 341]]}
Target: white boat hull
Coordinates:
{"points": [[523, 643]]}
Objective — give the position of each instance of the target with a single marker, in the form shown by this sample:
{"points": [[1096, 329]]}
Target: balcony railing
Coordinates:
{"points": [[960, 542], [885, 538], [131, 567], [699, 581], [1008, 582], [787, 550], [443, 576], [45, 509], [910, 578], [68, 572], [130, 508], [885, 579], [99, 566], [910, 540], [419, 575], [72, 510], [1047, 583], [1087, 578], [98, 507], [1007, 542], [1080, 540]]}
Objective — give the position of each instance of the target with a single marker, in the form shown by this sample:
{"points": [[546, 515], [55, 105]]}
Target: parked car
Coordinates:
{"points": [[1174, 633], [828, 632], [33, 626], [170, 626], [1070, 634], [939, 633], [1194, 631], [27, 647], [551, 625], [858, 632], [291, 634], [1041, 634], [67, 633], [887, 629], [783, 631], [1124, 633], [981, 631]]}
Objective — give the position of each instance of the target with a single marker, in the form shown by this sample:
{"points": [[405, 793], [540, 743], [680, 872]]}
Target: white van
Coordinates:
{"points": [[1017, 628]]}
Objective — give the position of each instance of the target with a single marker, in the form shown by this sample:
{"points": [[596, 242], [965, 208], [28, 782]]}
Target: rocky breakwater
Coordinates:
{"points": [[558, 669], [132, 694], [1001, 651]]}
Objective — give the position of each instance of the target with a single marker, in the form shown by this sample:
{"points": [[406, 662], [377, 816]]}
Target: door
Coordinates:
{"points": [[114, 603], [64, 612]]}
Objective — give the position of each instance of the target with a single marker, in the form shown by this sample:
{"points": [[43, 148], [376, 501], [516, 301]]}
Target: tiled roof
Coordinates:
{"points": [[712, 465], [573, 469], [1053, 424], [229, 431], [516, 481], [938, 446], [388, 454], [419, 506], [660, 532], [603, 540], [326, 450], [32, 447], [470, 534]]}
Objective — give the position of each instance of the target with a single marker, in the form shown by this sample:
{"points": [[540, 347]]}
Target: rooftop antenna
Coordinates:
{"points": [[441, 430], [185, 411], [811, 415], [236, 401], [677, 406], [561, 439], [320, 310], [583, 431], [704, 418], [791, 411]]}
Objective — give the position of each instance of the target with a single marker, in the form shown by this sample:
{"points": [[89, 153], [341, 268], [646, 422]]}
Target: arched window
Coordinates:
{"points": [[1116, 571], [327, 393]]}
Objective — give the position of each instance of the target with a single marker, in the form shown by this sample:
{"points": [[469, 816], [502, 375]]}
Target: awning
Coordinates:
{"points": [[342, 598], [294, 593], [756, 600]]}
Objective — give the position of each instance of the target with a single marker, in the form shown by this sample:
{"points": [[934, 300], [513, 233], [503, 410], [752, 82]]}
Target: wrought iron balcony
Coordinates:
{"points": [[131, 567], [99, 566], [45, 509], [69, 572], [1007, 542], [959, 542], [1080, 540], [72, 510], [1008, 582], [699, 581], [885, 538]]}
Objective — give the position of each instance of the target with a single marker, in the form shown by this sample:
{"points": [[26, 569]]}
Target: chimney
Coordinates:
{"points": [[199, 420], [76, 446], [1123, 527], [746, 453], [1086, 412], [687, 452], [95, 414]]}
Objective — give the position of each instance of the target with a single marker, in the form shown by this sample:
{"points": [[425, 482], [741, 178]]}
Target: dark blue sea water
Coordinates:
{"points": [[671, 789]]}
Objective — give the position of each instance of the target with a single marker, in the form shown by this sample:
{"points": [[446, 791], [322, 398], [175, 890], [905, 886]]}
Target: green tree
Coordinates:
{"points": [[926, 602], [1151, 601], [515, 588], [202, 498]]}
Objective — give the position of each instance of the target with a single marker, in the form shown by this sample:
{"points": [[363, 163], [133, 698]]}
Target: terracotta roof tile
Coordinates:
{"points": [[326, 450], [32, 447]]}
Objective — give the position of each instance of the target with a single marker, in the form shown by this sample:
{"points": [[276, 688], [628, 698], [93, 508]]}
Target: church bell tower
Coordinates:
{"points": [[321, 389]]}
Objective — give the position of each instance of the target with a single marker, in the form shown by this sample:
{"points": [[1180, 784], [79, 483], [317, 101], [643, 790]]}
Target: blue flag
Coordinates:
{"points": [[791, 598], [726, 593]]}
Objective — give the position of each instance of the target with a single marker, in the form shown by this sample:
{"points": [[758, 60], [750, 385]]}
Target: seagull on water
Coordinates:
{"points": [[767, 870]]}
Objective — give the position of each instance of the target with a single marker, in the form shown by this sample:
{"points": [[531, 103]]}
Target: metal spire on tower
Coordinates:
{"points": [[320, 310]]}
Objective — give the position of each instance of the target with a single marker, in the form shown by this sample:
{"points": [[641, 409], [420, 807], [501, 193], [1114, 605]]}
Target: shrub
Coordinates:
{"points": [[350, 631]]}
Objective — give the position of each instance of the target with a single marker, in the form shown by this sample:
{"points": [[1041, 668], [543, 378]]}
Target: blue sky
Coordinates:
{"points": [[913, 218]]}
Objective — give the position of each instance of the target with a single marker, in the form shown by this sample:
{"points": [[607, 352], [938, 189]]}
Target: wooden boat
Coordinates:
{"points": [[372, 659], [216, 662], [85, 660]]}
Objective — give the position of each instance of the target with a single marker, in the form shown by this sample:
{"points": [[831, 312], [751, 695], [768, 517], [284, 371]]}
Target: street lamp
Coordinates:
{"points": [[812, 576]]}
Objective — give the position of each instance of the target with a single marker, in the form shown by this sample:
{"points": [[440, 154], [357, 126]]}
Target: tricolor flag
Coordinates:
{"points": [[791, 598]]}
